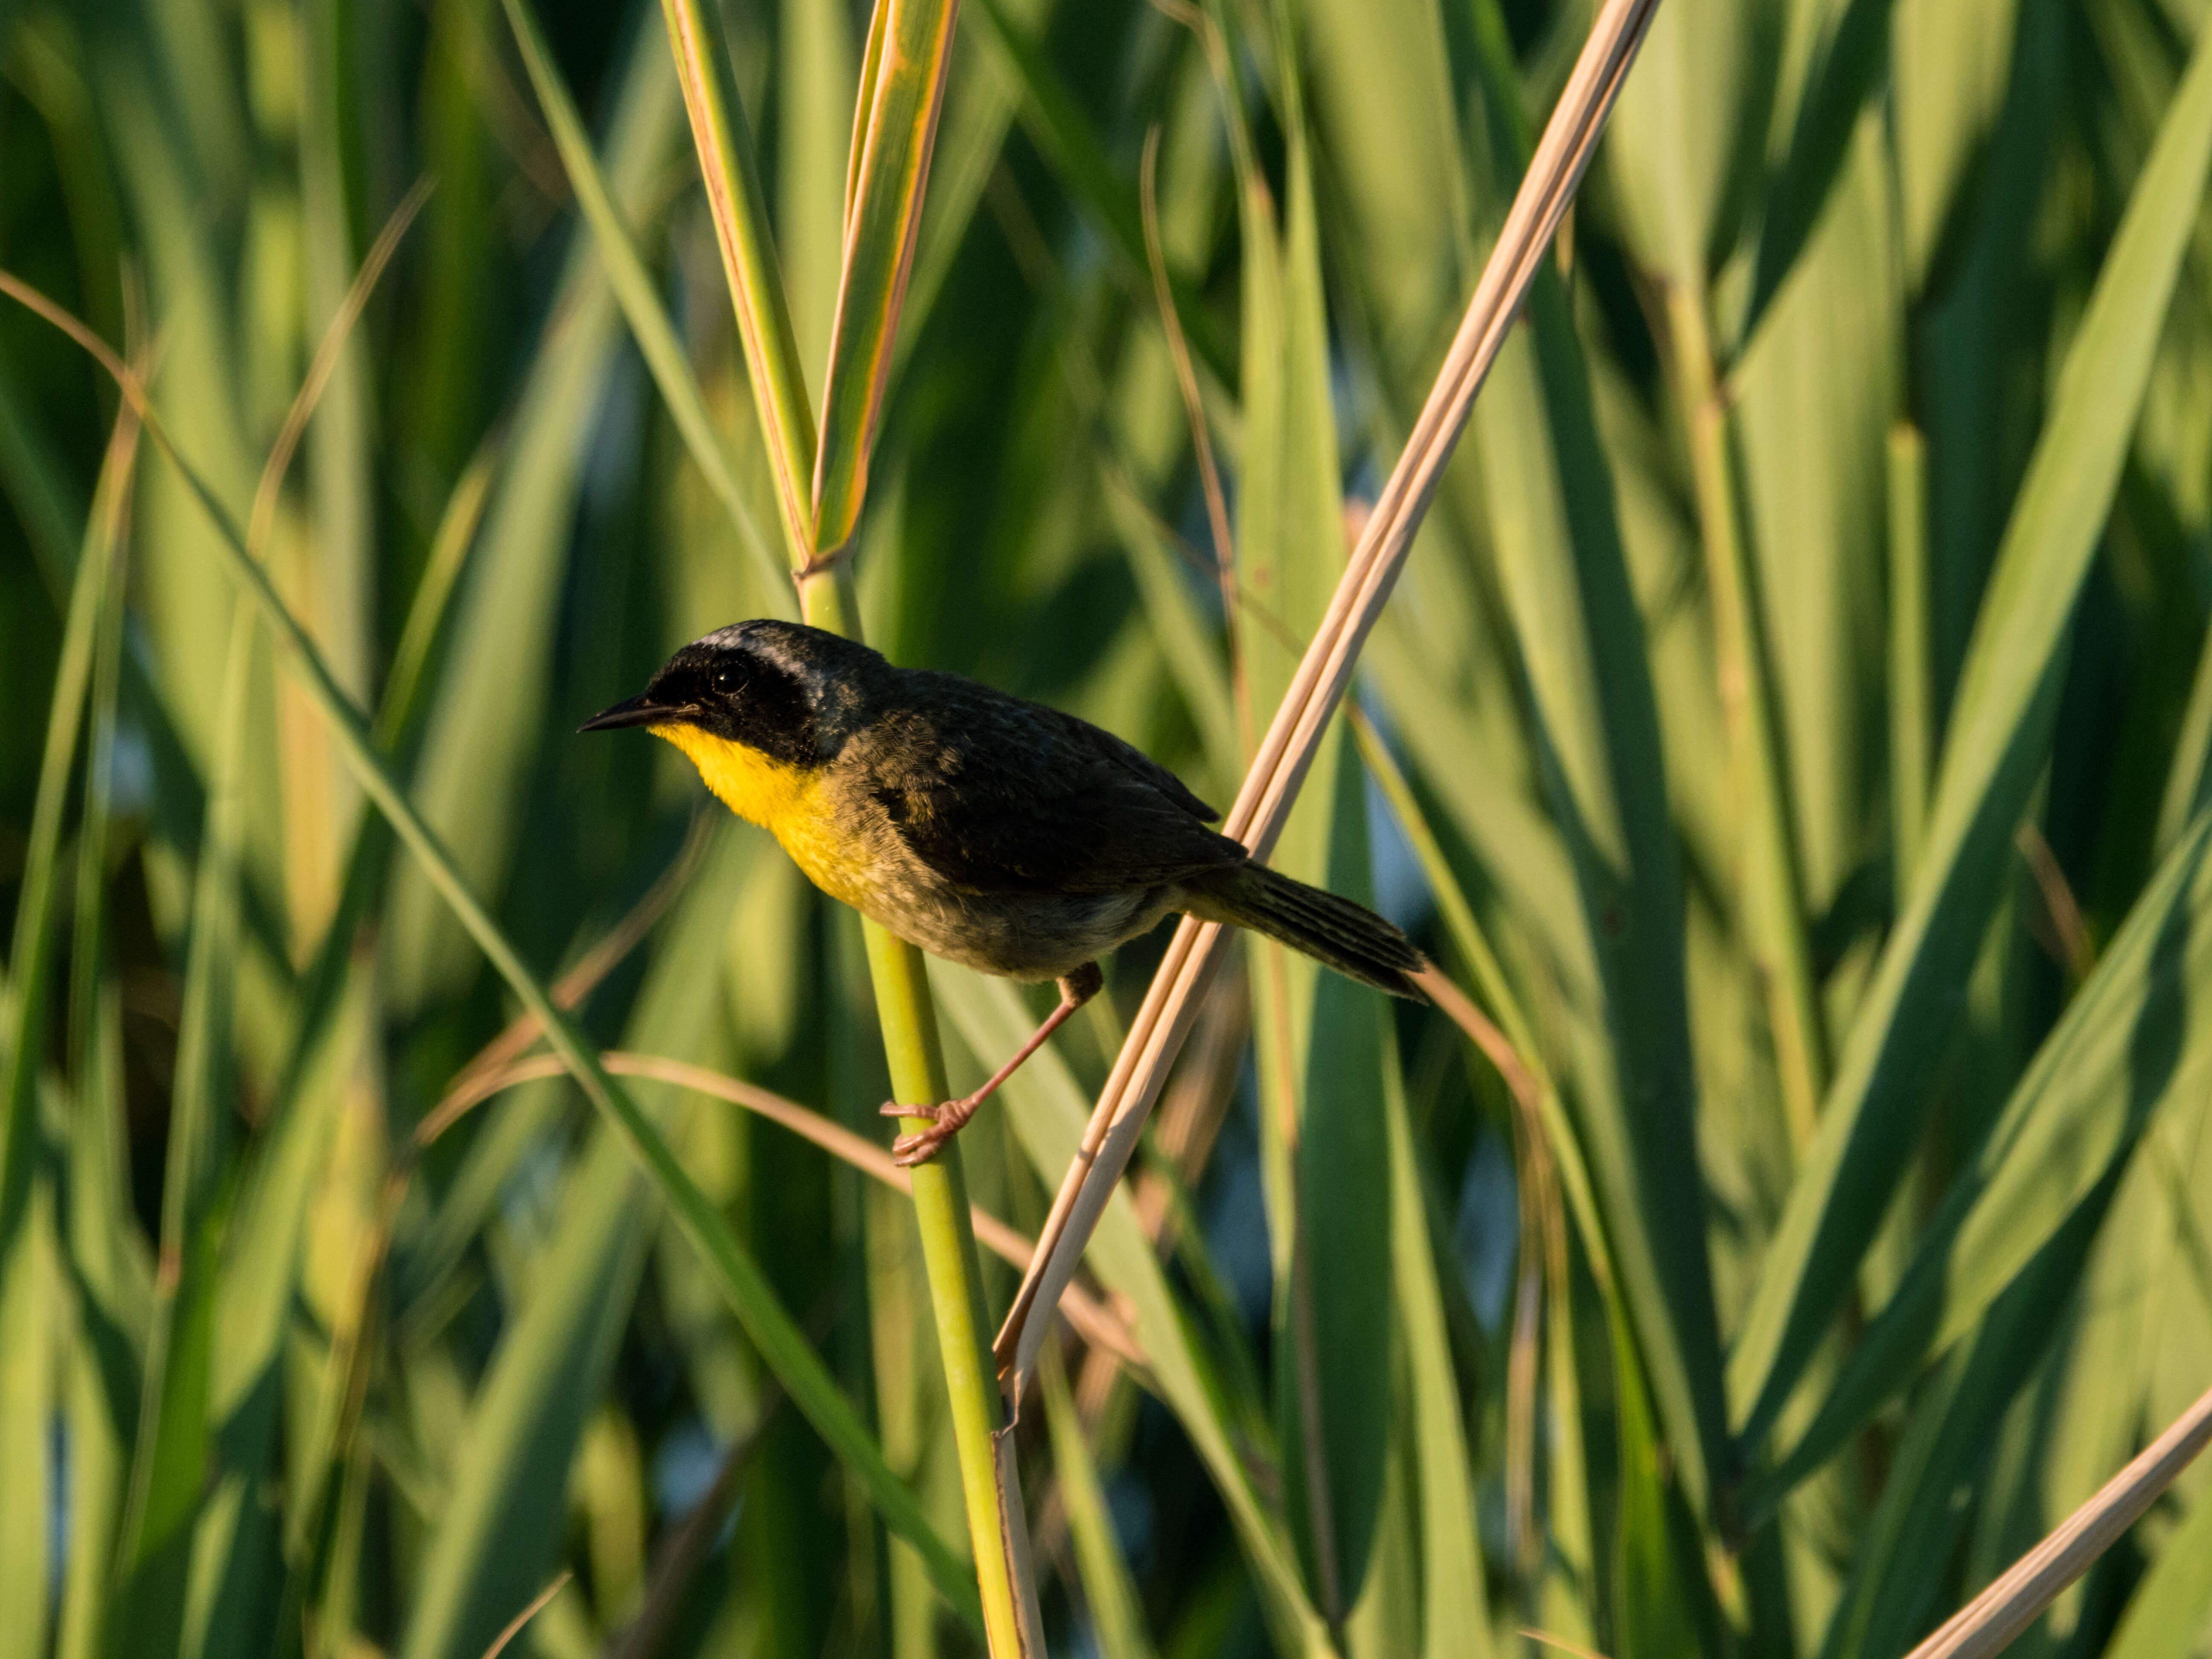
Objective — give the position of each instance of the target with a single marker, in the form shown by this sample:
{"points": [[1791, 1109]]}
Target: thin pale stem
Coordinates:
{"points": [[1989, 1622]]}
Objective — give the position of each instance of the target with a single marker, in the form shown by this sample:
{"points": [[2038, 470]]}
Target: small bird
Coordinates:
{"points": [[995, 832]]}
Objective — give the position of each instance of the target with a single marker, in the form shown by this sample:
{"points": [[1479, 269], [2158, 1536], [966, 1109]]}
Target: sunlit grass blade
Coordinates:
{"points": [[1567, 592], [1845, 67], [1772, 878], [1992, 754], [635, 292], [1911, 701], [2174, 1597], [899, 108]]}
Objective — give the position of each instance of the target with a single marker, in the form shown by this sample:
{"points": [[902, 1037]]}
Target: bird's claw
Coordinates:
{"points": [[945, 1120]]}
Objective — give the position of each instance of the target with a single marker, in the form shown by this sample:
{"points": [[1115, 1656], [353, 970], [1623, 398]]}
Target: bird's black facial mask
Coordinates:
{"points": [[734, 693]]}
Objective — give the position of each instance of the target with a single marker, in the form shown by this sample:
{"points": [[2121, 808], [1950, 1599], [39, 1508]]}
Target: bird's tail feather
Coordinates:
{"points": [[1345, 936]]}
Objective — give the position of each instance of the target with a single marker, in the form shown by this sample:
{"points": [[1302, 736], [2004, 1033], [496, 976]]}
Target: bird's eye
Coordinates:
{"points": [[726, 683]]}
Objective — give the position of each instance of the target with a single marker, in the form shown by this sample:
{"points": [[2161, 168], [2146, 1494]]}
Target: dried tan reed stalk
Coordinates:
{"points": [[1157, 1034], [1106, 1331], [1989, 1622]]}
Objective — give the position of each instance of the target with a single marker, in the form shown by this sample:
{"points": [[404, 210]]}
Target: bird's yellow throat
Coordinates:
{"points": [[764, 791], [785, 799]]}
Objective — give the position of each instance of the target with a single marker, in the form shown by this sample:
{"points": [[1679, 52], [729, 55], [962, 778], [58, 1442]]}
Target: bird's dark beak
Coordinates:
{"points": [[641, 710]]}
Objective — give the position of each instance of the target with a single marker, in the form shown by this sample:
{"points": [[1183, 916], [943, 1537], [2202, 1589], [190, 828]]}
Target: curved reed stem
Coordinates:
{"points": [[1157, 1034]]}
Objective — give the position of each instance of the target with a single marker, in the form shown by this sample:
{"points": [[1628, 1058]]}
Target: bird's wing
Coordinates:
{"points": [[1003, 796]]}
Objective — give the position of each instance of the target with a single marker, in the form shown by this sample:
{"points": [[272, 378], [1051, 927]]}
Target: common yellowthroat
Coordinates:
{"points": [[991, 831]]}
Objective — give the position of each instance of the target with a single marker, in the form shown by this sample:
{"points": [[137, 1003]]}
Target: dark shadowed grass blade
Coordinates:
{"points": [[1583, 639], [1455, 1606], [1993, 756], [1071, 142]]}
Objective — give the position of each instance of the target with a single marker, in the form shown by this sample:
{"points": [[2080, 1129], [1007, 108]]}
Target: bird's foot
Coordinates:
{"points": [[946, 1120]]}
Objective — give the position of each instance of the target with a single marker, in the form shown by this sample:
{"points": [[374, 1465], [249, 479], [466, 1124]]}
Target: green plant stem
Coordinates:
{"points": [[1773, 881], [997, 1527]]}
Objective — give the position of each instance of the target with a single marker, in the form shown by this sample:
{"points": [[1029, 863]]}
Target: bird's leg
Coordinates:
{"points": [[946, 1120]]}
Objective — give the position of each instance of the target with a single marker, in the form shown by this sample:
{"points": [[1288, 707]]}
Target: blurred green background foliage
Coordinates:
{"points": [[1794, 732]]}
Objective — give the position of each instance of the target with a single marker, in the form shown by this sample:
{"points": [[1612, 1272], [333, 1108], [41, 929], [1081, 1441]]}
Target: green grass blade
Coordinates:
{"points": [[1318, 1038], [38, 487], [30, 1317], [25, 1317], [1562, 568], [741, 227], [1947, 1445], [1948, 63], [1688, 132], [1077, 153], [2132, 1040], [1455, 1609], [238, 1552], [1560, 562], [1991, 756], [1109, 1592], [1911, 697], [500, 1534], [635, 292], [899, 111], [169, 1456], [1844, 67]]}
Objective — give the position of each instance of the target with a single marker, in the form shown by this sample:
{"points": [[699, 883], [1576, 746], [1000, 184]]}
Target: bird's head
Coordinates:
{"points": [[759, 707]]}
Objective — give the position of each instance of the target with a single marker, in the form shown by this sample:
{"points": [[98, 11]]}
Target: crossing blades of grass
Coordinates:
{"points": [[1992, 755], [772, 1330], [635, 291]]}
